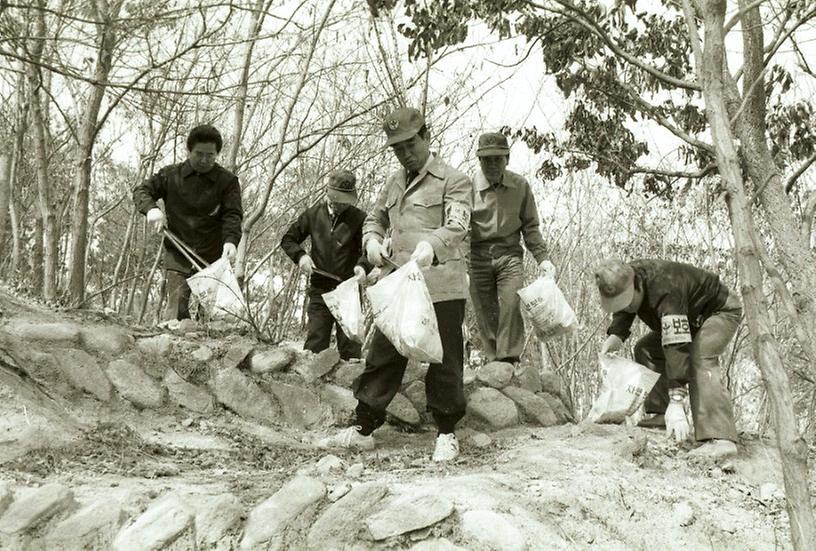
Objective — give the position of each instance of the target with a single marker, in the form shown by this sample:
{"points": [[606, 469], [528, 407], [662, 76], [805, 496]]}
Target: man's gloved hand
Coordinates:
{"points": [[676, 422], [613, 343], [229, 251], [423, 254], [375, 252], [359, 273], [306, 264], [546, 269], [155, 217]]}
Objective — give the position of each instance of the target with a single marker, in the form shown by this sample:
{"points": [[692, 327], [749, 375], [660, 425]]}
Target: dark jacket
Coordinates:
{"points": [[677, 299], [337, 244], [203, 210]]}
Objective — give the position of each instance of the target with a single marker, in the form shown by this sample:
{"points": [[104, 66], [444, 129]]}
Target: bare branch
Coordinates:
{"points": [[799, 171], [737, 16]]}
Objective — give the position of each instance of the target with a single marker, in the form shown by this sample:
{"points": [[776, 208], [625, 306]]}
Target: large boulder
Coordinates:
{"points": [[88, 528], [491, 530], [268, 520], [272, 360], [558, 407], [403, 410], [535, 408], [237, 392], [84, 373], [34, 506], [528, 377], [331, 529], [315, 366], [407, 514], [134, 385], [346, 372], [158, 346], [495, 374], [164, 521], [63, 333], [341, 400], [105, 340], [301, 407], [492, 407], [215, 517], [187, 395]]}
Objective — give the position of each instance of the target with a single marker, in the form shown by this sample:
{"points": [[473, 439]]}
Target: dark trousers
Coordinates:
{"points": [[178, 295], [494, 285], [318, 332], [711, 407], [444, 390]]}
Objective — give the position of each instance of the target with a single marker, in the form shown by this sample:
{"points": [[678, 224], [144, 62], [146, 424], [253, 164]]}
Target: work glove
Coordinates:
{"points": [[306, 264], [676, 422], [155, 217], [546, 269], [375, 252], [423, 254], [359, 273], [613, 343], [229, 251]]}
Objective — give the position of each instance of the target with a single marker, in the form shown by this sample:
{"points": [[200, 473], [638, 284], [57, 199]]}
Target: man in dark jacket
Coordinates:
{"points": [[202, 202], [335, 226], [692, 317]]}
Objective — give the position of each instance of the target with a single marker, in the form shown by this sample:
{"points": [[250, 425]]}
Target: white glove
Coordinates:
{"points": [[375, 252], [423, 254], [229, 251], [613, 343], [547, 269], [359, 273], [306, 264], [676, 422], [155, 217]]}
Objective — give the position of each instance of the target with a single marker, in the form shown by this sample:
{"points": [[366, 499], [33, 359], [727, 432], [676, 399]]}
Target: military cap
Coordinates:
{"points": [[492, 143], [616, 284], [341, 187], [402, 124]]}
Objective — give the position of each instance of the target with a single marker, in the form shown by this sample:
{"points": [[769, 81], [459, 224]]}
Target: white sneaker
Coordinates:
{"points": [[349, 439], [447, 448]]}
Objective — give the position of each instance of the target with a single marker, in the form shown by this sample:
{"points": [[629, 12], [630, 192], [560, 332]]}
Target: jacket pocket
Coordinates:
{"points": [[428, 212]]}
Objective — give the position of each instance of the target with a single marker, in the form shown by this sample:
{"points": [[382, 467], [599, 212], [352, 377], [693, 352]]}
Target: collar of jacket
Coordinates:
{"points": [[433, 166], [508, 181], [187, 170]]}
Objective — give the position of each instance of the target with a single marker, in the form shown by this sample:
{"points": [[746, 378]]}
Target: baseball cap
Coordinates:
{"points": [[341, 187], [492, 143], [616, 284], [402, 124]]}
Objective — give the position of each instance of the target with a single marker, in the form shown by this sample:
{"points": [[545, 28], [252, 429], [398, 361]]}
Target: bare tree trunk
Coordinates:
{"points": [[50, 235], [792, 447], [16, 239], [36, 257], [258, 16], [792, 251], [5, 194], [255, 215], [87, 137], [124, 252]]}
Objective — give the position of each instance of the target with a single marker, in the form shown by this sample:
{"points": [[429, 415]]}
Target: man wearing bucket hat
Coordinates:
{"points": [[426, 206], [504, 211], [202, 202], [335, 227], [692, 317]]}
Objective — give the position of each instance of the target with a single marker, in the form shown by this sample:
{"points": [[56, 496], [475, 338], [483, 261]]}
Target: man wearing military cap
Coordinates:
{"points": [[504, 211], [426, 207], [692, 317], [335, 227]]}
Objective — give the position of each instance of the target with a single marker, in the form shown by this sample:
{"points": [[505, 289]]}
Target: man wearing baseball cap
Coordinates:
{"points": [[335, 227], [504, 210], [692, 317], [426, 206]]}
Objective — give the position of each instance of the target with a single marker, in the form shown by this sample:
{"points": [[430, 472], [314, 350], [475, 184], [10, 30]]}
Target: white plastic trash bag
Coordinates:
{"points": [[403, 311], [625, 385], [217, 290], [344, 304], [547, 309]]}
